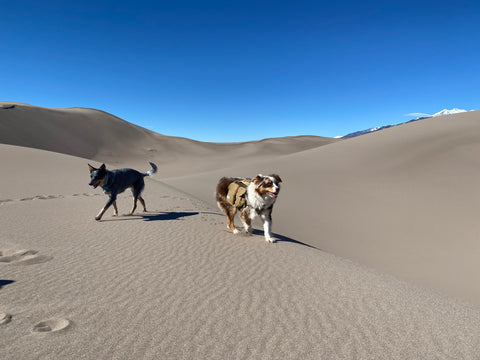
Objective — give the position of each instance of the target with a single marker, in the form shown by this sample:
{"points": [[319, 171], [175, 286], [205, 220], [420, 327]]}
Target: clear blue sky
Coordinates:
{"points": [[236, 70]]}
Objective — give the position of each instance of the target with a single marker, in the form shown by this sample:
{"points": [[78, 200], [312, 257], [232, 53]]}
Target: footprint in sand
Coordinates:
{"points": [[53, 325], [42, 197], [23, 257], [90, 194], [5, 318]]}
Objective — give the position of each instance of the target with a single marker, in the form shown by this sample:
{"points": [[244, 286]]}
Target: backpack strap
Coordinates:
{"points": [[237, 192]]}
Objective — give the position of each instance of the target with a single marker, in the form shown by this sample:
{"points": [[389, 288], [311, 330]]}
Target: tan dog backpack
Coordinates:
{"points": [[237, 191]]}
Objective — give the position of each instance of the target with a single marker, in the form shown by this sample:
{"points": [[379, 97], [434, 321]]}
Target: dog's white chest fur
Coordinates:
{"points": [[256, 201]]}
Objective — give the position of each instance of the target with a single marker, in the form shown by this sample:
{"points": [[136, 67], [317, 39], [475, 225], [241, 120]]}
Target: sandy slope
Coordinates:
{"points": [[174, 284], [404, 200]]}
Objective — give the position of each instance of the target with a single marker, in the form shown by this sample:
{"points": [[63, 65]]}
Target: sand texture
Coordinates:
{"points": [[376, 252]]}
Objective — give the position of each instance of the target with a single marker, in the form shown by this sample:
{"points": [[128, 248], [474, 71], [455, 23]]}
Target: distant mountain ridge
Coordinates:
{"points": [[378, 128], [449, 112]]}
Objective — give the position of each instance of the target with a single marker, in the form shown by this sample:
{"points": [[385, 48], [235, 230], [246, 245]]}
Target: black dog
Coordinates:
{"points": [[117, 181]]}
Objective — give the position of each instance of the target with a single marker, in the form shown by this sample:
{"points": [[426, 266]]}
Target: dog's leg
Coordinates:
{"points": [[267, 226], [246, 220], [111, 200], [134, 205], [143, 203], [100, 214], [115, 209], [136, 191], [230, 219]]}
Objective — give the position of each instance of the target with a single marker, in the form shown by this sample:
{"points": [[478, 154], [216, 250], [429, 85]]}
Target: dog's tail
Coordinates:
{"points": [[152, 171]]}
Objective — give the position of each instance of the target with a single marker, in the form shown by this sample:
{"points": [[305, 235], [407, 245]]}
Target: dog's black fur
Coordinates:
{"points": [[114, 182]]}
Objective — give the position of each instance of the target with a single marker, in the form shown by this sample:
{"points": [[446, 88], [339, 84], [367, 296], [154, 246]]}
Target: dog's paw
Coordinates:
{"points": [[270, 240], [5, 318], [236, 231], [50, 326], [23, 257]]}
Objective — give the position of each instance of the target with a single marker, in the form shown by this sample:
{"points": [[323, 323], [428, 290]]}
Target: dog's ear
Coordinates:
{"points": [[91, 168], [102, 167], [276, 177], [257, 179]]}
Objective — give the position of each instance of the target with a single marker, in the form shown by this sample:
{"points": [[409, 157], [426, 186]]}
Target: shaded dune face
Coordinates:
{"points": [[97, 135]]}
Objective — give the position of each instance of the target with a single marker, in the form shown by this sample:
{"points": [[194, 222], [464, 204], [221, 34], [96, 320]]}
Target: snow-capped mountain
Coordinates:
{"points": [[449, 112], [367, 131], [378, 128]]}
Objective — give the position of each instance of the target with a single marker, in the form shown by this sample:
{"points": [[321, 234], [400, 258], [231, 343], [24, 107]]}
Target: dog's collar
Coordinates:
{"points": [[105, 187]]}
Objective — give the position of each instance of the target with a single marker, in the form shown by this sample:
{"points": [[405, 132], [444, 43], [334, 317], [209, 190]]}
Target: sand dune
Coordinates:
{"points": [[173, 283], [97, 135], [404, 200]]}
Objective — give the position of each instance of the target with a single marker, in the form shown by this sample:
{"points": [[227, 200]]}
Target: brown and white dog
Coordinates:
{"points": [[255, 199]]}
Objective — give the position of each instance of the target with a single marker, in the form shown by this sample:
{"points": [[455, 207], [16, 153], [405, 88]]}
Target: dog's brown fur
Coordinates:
{"points": [[261, 195]]}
